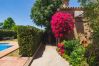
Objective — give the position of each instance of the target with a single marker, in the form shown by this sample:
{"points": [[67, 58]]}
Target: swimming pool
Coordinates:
{"points": [[4, 46]]}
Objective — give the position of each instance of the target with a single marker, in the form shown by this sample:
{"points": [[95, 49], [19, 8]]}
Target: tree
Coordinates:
{"points": [[42, 11], [8, 23], [92, 15], [86, 2], [1, 24], [15, 28]]}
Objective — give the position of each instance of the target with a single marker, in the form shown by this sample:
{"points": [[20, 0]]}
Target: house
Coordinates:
{"points": [[82, 29]]}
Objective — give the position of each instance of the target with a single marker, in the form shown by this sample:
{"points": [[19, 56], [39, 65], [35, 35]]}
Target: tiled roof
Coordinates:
{"points": [[71, 8]]}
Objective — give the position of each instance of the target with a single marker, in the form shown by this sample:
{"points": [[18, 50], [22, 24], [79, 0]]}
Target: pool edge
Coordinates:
{"points": [[9, 50]]}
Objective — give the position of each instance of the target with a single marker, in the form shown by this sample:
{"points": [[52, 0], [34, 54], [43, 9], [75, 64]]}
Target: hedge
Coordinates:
{"points": [[29, 38], [4, 34]]}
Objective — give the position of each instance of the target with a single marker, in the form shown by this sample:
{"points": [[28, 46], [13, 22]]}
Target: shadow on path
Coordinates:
{"points": [[48, 56], [40, 52]]}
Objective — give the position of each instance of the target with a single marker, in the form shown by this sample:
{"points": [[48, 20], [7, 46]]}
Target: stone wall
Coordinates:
{"points": [[83, 30]]}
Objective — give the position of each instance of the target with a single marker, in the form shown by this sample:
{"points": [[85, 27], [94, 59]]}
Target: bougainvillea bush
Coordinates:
{"points": [[62, 23]]}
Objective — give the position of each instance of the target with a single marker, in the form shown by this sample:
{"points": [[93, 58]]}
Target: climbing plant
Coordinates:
{"points": [[62, 23], [91, 13]]}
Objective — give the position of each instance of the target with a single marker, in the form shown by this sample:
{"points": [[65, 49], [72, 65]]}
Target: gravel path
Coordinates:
{"points": [[49, 57]]}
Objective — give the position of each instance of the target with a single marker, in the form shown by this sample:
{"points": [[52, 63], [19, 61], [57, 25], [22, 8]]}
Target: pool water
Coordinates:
{"points": [[4, 46]]}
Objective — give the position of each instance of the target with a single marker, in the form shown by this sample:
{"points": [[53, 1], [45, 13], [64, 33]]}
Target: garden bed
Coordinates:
{"points": [[73, 52]]}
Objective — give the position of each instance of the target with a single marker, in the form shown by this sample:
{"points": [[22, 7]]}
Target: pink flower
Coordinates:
{"points": [[60, 45], [62, 51], [61, 35], [61, 23]]}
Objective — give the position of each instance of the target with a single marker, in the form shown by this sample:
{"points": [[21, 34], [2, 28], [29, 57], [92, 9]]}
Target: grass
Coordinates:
{"points": [[13, 40], [14, 53]]}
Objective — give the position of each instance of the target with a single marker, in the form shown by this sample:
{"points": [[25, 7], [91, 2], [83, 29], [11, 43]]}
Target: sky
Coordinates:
{"points": [[20, 10]]}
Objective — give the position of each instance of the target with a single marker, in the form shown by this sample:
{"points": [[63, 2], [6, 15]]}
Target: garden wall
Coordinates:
{"points": [[82, 28]]}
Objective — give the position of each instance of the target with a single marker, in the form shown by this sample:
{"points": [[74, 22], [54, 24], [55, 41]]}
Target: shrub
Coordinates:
{"points": [[29, 39], [7, 34], [92, 52], [74, 52], [62, 23], [92, 55], [71, 45], [67, 57], [77, 56]]}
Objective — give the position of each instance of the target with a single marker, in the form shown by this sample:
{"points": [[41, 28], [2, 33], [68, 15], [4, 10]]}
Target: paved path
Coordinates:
{"points": [[49, 57], [13, 61]]}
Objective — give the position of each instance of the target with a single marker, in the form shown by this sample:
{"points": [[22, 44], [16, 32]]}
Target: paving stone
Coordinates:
{"points": [[13, 61], [49, 57]]}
